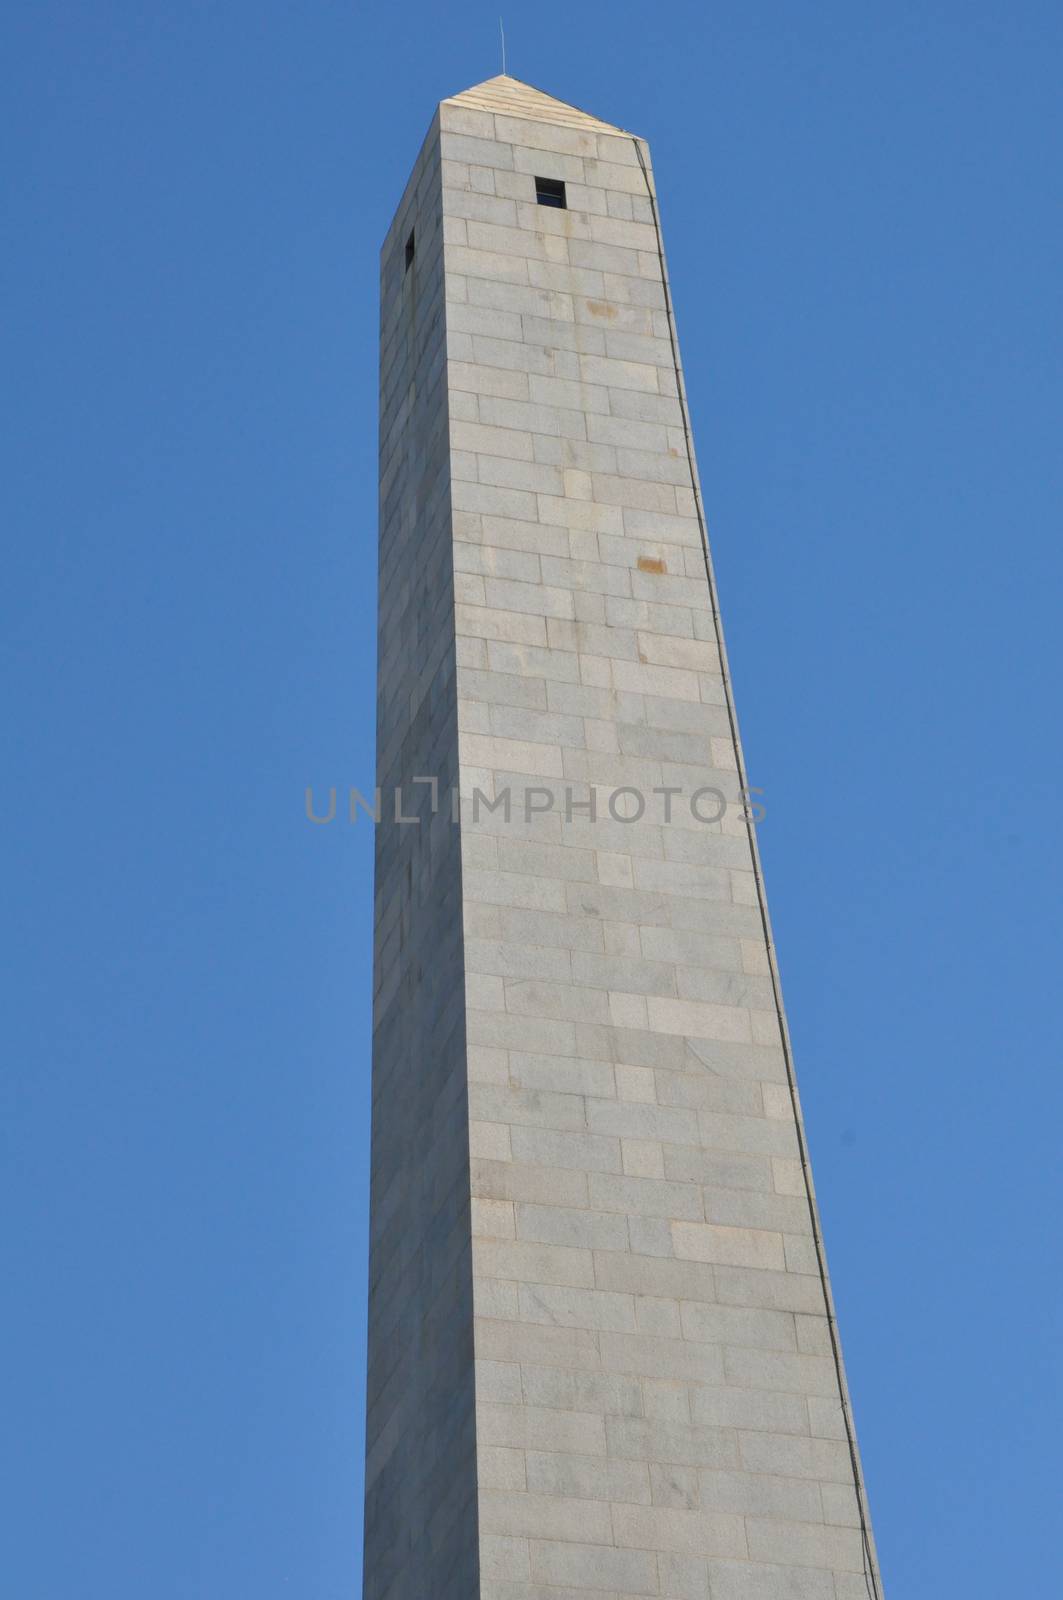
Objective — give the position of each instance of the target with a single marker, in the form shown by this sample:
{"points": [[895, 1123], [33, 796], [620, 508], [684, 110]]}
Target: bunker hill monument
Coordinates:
{"points": [[603, 1362]]}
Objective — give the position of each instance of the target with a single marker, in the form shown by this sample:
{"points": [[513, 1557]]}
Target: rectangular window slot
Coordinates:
{"points": [[411, 250], [550, 192]]}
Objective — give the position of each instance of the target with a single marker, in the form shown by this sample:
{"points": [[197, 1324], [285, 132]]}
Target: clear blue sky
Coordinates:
{"points": [[861, 208]]}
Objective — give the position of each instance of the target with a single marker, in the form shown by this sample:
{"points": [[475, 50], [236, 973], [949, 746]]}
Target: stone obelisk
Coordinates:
{"points": [[602, 1354]]}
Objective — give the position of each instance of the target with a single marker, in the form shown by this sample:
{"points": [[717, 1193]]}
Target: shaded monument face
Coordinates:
{"points": [[602, 1360]]}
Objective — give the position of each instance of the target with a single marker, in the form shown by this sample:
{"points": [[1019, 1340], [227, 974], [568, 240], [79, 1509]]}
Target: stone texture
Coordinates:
{"points": [[421, 1513], [600, 1354]]}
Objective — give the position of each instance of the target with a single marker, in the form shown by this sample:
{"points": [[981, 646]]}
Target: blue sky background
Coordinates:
{"points": [[862, 211]]}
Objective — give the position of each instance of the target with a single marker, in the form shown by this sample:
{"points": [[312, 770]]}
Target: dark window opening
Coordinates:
{"points": [[550, 192], [410, 252]]}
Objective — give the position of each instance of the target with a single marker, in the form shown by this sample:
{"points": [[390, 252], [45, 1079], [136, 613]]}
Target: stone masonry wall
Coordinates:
{"points": [[601, 1356], [420, 1527], [658, 1409]]}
